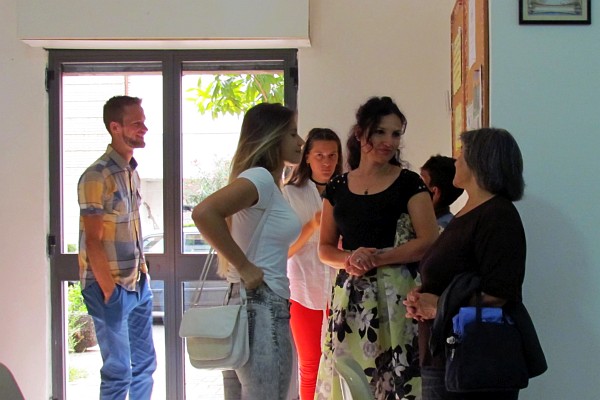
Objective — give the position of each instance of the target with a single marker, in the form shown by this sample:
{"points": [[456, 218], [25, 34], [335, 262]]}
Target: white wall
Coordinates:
{"points": [[545, 87], [402, 50], [163, 24], [24, 268]]}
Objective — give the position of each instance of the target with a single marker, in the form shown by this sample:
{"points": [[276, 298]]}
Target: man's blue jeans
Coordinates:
{"points": [[124, 332]]}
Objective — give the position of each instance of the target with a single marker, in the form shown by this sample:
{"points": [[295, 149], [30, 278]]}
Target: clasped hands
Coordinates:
{"points": [[420, 306], [361, 261]]}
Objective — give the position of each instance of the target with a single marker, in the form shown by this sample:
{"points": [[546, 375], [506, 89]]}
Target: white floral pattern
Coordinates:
{"points": [[367, 321]]}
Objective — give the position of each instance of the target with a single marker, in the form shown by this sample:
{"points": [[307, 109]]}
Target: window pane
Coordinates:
{"points": [[201, 383], [83, 358], [85, 139], [83, 354], [208, 145]]}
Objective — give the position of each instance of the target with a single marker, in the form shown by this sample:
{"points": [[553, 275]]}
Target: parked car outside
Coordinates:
{"points": [[192, 240], [213, 292]]}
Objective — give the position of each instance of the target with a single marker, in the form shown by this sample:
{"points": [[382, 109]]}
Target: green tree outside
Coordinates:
{"points": [[235, 93], [206, 182], [231, 94]]}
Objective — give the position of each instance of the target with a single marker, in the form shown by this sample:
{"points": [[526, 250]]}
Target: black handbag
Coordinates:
{"points": [[487, 356]]}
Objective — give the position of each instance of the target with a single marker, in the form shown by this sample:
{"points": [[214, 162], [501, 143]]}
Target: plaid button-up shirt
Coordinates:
{"points": [[110, 187]]}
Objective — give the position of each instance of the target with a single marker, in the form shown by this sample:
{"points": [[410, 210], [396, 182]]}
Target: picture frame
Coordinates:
{"points": [[562, 12]]}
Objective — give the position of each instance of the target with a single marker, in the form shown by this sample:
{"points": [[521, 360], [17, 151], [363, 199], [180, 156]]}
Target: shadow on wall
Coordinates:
{"points": [[560, 293]]}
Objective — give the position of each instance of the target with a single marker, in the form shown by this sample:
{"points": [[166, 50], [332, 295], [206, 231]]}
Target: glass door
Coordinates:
{"points": [[84, 88], [192, 134]]}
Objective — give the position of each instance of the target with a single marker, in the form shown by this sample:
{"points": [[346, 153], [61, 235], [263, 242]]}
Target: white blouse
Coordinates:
{"points": [[310, 279]]}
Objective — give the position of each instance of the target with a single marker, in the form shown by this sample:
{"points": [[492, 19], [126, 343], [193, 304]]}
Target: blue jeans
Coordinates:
{"points": [[434, 388], [124, 332], [268, 372]]}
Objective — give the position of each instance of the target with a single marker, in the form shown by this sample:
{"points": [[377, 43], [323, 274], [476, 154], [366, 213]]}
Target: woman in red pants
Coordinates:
{"points": [[310, 279]]}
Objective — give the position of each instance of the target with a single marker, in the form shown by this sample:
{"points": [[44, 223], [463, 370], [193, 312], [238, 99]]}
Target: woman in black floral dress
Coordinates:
{"points": [[364, 208]]}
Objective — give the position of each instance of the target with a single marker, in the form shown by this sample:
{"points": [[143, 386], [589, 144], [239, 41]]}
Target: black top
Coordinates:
{"points": [[488, 240], [370, 220]]}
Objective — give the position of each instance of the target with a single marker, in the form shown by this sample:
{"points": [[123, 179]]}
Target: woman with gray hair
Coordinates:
{"points": [[485, 237]]}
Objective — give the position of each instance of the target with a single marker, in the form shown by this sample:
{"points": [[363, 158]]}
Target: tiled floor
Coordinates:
{"points": [[201, 384]]}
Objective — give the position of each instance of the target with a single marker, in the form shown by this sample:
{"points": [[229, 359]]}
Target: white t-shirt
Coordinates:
{"points": [[310, 279], [280, 229]]}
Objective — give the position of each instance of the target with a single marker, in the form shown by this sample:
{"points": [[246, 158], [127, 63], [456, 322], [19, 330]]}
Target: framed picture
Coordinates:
{"points": [[555, 12]]}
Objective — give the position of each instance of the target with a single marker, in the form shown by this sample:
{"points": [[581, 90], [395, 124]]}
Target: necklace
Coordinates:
{"points": [[317, 183], [382, 172]]}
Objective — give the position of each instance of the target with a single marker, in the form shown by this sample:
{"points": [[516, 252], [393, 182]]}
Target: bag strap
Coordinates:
{"points": [[250, 253], [479, 307]]}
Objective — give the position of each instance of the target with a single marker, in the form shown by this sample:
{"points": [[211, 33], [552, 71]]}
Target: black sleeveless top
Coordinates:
{"points": [[370, 220]]}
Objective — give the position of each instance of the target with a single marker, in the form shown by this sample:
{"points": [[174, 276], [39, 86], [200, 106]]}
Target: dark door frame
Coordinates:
{"points": [[172, 266]]}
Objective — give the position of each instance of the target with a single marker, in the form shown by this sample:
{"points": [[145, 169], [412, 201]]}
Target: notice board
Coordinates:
{"points": [[469, 68]]}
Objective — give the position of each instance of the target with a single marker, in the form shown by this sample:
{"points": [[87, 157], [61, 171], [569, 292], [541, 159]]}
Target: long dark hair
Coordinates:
{"points": [[368, 117], [302, 171]]}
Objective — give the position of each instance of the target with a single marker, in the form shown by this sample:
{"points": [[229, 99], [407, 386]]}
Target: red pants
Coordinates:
{"points": [[306, 325]]}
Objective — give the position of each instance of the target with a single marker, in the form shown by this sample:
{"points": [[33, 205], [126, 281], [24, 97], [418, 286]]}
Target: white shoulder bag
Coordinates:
{"points": [[217, 337]]}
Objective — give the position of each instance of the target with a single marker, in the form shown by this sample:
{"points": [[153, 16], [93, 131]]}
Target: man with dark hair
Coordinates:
{"points": [[112, 267], [438, 173]]}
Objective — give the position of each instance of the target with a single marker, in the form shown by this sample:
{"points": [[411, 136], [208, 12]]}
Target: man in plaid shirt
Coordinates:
{"points": [[112, 267]]}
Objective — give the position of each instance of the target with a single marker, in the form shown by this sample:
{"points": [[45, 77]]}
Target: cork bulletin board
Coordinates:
{"points": [[469, 68]]}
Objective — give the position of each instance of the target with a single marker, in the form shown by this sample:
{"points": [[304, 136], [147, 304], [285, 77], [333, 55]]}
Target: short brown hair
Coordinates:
{"points": [[114, 109], [441, 171]]}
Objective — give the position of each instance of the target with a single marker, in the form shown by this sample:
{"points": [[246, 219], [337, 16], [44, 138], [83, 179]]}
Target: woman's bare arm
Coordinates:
{"points": [[210, 218]]}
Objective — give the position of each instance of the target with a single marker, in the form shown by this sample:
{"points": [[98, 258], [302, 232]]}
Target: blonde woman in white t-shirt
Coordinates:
{"points": [[228, 219], [310, 279]]}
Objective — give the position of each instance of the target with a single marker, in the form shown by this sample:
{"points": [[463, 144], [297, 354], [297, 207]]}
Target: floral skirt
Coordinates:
{"points": [[367, 322]]}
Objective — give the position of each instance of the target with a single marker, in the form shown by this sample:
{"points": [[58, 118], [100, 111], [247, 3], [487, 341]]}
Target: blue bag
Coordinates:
{"points": [[485, 352], [467, 315]]}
